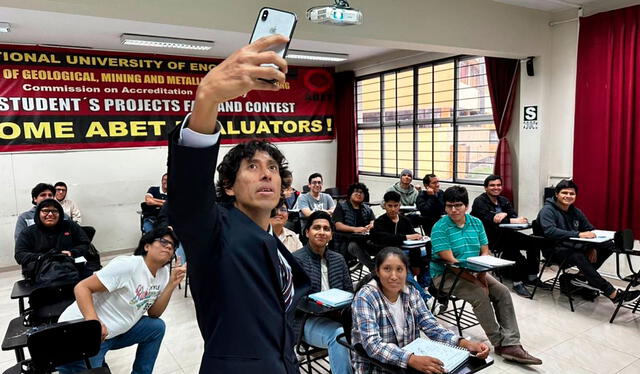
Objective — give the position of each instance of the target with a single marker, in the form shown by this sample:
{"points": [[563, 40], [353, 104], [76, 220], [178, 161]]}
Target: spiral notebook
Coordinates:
{"points": [[452, 356], [332, 298]]}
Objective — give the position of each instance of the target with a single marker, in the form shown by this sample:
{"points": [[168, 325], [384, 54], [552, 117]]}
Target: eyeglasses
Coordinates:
{"points": [[316, 182], [454, 206], [358, 192], [61, 189], [283, 209], [166, 243], [46, 212]]}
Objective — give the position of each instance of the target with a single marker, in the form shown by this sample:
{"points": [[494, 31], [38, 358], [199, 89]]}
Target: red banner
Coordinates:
{"points": [[53, 98]]}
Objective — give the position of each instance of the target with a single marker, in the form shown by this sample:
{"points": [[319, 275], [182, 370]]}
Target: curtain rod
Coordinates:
{"points": [[580, 14]]}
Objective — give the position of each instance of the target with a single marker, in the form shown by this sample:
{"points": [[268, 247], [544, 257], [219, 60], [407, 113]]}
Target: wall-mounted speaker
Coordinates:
{"points": [[530, 71]]}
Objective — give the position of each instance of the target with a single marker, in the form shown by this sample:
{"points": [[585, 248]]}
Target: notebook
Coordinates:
{"points": [[416, 243], [490, 261], [515, 225], [332, 298], [452, 356]]}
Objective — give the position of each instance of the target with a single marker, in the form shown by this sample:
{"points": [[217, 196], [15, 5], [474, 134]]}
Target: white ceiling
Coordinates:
{"points": [[39, 27], [549, 5]]}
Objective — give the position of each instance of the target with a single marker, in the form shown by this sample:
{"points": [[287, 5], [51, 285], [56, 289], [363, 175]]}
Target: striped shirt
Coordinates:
{"points": [[463, 241]]}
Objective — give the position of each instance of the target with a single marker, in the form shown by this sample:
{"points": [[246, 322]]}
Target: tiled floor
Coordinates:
{"points": [[574, 343]]}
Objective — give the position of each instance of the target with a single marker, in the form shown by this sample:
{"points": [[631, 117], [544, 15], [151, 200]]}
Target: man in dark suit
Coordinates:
{"points": [[245, 283]]}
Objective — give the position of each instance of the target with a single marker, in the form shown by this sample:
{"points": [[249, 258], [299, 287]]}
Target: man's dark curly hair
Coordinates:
{"points": [[358, 186], [228, 168]]}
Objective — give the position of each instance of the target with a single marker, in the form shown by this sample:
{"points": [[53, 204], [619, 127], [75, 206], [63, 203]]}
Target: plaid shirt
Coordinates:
{"points": [[373, 327]]}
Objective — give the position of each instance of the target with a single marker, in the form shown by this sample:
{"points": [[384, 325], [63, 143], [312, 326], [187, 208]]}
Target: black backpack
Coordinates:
{"points": [[54, 267]]}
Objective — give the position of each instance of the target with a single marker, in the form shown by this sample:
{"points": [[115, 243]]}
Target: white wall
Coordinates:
{"points": [[109, 185]]}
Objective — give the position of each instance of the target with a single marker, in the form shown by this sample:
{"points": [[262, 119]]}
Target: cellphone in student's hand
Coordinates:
{"points": [[274, 21]]}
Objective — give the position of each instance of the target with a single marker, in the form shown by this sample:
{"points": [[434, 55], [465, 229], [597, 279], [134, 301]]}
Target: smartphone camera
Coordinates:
{"points": [[265, 14]]}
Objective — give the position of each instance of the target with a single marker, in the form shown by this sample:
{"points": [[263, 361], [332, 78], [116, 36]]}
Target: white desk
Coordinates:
{"points": [[601, 237]]}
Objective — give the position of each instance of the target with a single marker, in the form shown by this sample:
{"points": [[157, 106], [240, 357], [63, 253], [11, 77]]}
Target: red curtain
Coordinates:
{"points": [[345, 127], [606, 150], [502, 78]]}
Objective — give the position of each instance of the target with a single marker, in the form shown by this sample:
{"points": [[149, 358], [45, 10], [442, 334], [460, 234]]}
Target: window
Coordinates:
{"points": [[431, 118]]}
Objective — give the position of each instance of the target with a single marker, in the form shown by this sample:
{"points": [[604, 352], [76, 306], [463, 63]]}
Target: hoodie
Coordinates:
{"points": [[407, 197], [558, 224], [38, 239]]}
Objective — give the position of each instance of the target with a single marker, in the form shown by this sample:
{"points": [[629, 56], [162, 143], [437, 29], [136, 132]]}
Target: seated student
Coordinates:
{"points": [[352, 216], [69, 206], [290, 194], [121, 293], [50, 232], [560, 219], [457, 237], [286, 236], [407, 191], [494, 209], [40, 192], [430, 202], [315, 199], [326, 269], [389, 314], [392, 229], [154, 199]]}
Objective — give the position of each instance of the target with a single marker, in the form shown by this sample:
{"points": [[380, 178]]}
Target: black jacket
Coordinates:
{"points": [[485, 210], [431, 209], [558, 224], [37, 239], [234, 272], [338, 273], [387, 233]]}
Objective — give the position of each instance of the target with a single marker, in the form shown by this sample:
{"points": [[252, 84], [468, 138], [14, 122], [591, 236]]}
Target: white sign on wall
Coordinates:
{"points": [[530, 117]]}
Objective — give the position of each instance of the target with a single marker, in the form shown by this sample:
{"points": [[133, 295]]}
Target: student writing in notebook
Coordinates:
{"points": [[388, 314], [326, 269]]}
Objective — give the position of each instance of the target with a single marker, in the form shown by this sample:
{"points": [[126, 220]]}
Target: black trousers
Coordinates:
{"points": [[576, 256], [510, 243]]}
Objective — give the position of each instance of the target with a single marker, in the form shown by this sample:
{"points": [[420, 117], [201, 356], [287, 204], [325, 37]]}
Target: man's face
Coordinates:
{"points": [[164, 183], [455, 210], [316, 185], [566, 197], [357, 196], [406, 178], [61, 193], [434, 184], [257, 185], [49, 216], [392, 208], [494, 188], [46, 194]]}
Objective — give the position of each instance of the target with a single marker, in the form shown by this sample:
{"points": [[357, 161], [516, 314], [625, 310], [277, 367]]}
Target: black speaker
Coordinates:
{"points": [[530, 66]]}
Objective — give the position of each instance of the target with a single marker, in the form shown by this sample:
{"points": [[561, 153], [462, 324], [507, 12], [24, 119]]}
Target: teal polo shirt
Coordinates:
{"points": [[464, 241]]}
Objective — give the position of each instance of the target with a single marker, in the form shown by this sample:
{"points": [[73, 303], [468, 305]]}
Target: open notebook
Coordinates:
{"points": [[490, 261], [451, 356], [332, 298]]}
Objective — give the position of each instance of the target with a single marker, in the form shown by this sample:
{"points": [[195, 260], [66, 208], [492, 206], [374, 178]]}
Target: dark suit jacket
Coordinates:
{"points": [[233, 272]]}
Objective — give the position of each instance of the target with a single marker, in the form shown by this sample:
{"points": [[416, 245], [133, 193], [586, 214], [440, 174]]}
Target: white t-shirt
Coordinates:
{"points": [[397, 312], [132, 290]]}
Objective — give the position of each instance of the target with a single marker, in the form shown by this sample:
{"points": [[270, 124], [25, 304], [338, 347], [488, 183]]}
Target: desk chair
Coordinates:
{"points": [[623, 246], [548, 261], [61, 344], [311, 354], [46, 304]]}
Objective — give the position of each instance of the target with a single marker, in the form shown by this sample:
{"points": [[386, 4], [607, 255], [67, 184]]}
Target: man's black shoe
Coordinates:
{"points": [[625, 297]]}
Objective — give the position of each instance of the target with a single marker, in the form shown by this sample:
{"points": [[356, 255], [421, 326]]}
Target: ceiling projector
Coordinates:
{"points": [[339, 14]]}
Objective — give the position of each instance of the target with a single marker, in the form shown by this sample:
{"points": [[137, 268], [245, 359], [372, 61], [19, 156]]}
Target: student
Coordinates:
{"points": [[430, 202], [286, 236], [561, 220], [154, 200], [49, 233], [315, 199], [407, 191], [389, 314], [245, 283], [392, 229], [352, 216], [494, 209], [70, 207], [326, 269], [459, 236], [290, 194], [121, 293]]}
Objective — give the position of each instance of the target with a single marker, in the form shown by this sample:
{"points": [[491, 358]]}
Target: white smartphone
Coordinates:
{"points": [[274, 21]]}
